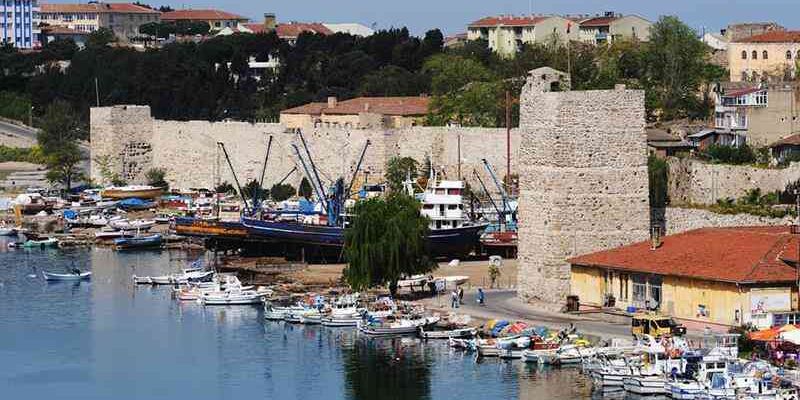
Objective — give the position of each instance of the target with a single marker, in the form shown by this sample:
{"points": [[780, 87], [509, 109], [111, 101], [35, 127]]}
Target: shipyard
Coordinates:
{"points": [[341, 201]]}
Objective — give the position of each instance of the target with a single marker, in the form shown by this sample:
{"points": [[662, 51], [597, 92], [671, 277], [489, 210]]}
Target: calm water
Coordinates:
{"points": [[108, 339]]}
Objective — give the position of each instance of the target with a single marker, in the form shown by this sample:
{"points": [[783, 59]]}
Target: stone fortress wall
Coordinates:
{"points": [[583, 180], [129, 142]]}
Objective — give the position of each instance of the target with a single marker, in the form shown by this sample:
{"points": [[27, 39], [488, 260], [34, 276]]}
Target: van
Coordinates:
{"points": [[655, 325]]}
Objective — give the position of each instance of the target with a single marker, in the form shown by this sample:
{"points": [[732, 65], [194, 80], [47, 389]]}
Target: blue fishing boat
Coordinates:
{"points": [[135, 204], [138, 242]]}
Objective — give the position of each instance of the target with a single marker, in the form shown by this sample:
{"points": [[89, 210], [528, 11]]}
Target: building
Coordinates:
{"points": [[350, 29], [736, 32], [506, 33], [786, 149], [55, 32], [662, 143], [720, 276], [455, 41], [19, 21], [757, 114], [124, 19], [770, 56], [612, 27], [358, 113], [216, 19]]}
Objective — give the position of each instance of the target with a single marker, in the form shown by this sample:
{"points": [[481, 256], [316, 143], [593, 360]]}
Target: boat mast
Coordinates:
{"points": [[313, 166], [503, 193], [235, 179], [256, 200], [358, 167], [287, 175], [308, 174], [499, 213]]}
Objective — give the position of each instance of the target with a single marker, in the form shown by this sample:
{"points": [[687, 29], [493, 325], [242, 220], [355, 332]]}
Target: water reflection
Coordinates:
{"points": [[396, 368]]}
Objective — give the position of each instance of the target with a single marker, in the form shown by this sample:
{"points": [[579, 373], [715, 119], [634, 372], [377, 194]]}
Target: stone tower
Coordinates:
{"points": [[583, 179]]}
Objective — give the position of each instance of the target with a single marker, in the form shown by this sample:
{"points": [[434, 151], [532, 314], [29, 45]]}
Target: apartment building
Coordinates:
{"points": [[19, 21]]}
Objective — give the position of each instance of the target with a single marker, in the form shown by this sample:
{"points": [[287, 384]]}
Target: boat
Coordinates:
{"points": [[49, 242], [137, 224], [7, 231], [194, 275], [459, 333], [341, 321], [51, 276], [233, 297], [131, 191], [138, 242], [133, 204], [402, 326], [112, 234]]}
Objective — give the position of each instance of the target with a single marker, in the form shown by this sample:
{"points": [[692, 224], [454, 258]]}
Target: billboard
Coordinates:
{"points": [[764, 301]]}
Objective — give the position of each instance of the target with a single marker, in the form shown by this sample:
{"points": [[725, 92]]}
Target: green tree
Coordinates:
{"points": [[101, 38], [64, 165], [59, 125], [225, 187], [253, 190], [305, 189], [398, 169], [281, 192], [386, 241], [450, 74], [465, 92], [59, 49], [156, 177], [392, 80], [657, 170]]}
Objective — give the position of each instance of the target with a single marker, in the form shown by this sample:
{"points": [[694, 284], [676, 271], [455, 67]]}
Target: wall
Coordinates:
{"points": [[697, 182], [767, 125], [674, 220], [133, 142], [583, 181]]}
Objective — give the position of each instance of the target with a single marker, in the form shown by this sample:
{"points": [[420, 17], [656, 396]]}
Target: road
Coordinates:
{"points": [[23, 131]]}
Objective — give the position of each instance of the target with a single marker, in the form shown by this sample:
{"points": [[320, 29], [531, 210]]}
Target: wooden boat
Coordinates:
{"points": [[138, 242], [447, 334], [50, 276], [134, 191], [341, 321], [49, 242]]}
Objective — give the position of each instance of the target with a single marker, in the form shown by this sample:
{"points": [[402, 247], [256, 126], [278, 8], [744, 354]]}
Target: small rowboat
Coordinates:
{"points": [[138, 242], [51, 242], [236, 297], [400, 327], [49, 276], [453, 333]]}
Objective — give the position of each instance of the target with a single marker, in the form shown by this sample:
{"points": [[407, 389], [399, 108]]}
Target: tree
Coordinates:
{"points": [[225, 187], [392, 80], [398, 169], [305, 189], [253, 190], [64, 165], [59, 125], [451, 74], [465, 92], [59, 49], [156, 177], [657, 169], [281, 191], [101, 38], [386, 241]]}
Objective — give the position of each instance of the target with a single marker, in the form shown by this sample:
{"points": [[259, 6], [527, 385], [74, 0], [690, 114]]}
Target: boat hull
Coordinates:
{"points": [[49, 276], [119, 194]]}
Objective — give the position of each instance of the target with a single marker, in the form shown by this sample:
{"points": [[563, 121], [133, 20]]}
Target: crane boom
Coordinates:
{"points": [[487, 192], [358, 167], [235, 179], [308, 172]]}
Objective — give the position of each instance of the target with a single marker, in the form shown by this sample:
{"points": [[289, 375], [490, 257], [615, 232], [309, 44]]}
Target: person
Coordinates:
{"points": [[460, 295], [481, 297], [453, 299]]}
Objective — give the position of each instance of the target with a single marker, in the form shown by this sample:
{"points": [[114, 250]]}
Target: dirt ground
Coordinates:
{"points": [[476, 270]]}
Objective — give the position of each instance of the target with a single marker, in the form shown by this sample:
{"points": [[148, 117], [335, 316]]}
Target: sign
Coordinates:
{"points": [[762, 302]]}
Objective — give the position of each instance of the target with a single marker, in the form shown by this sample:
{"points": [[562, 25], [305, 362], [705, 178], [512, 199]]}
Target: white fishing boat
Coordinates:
{"points": [[649, 383], [232, 297], [341, 321], [397, 327], [459, 333], [134, 225], [540, 356], [272, 312], [188, 275], [311, 317], [51, 276]]}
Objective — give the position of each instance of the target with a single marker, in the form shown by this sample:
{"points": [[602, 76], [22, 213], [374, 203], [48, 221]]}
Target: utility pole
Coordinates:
{"points": [[30, 117], [459, 156], [508, 141], [97, 91]]}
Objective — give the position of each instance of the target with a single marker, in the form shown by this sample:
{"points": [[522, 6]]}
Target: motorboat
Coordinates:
{"points": [[132, 225], [187, 275], [272, 312], [397, 327], [51, 276], [232, 297], [341, 321], [138, 242], [110, 234], [49, 242], [458, 333]]}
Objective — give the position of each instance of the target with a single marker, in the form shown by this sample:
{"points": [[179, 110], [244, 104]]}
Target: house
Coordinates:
{"points": [[611, 27], [216, 19], [19, 23], [124, 19], [51, 33], [739, 31], [455, 41], [358, 113], [770, 56], [713, 276], [506, 33], [786, 149], [662, 143], [758, 114]]}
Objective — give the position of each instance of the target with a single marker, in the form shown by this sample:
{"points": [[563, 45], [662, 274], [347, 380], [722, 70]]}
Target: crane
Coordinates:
{"points": [[235, 179], [358, 167], [503, 193], [474, 172]]}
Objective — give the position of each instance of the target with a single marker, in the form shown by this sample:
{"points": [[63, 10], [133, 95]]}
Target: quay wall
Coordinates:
{"points": [[583, 181], [127, 141], [697, 182]]}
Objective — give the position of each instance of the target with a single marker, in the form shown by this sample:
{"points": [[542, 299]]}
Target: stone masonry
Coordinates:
{"points": [[583, 180], [128, 142]]}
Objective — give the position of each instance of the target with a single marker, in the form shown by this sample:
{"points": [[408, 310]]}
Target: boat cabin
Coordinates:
{"points": [[442, 203]]}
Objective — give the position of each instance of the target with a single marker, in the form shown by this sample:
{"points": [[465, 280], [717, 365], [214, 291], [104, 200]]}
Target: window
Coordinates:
{"points": [[452, 207], [454, 191], [217, 24], [764, 55], [755, 55], [788, 54], [761, 98], [702, 311]]}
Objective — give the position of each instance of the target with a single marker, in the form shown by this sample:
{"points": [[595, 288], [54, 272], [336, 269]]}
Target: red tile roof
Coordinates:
{"points": [[740, 255], [774, 37], [404, 106], [507, 21], [741, 92], [62, 30], [793, 140], [96, 8], [598, 21], [200, 15], [294, 29]]}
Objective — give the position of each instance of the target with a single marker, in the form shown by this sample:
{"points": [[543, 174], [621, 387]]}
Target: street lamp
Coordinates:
{"points": [[30, 116]]}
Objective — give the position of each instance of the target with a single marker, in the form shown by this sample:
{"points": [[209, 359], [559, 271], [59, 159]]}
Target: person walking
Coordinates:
{"points": [[460, 295], [481, 297], [453, 299]]}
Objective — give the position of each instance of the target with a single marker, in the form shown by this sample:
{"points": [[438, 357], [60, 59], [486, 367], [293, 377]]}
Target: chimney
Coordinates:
{"points": [[332, 101], [655, 238], [269, 21]]}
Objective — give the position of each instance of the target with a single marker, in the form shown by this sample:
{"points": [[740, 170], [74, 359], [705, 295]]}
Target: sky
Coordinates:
{"points": [[452, 16]]}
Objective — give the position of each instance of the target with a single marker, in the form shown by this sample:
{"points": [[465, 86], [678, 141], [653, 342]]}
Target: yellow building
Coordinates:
{"points": [[358, 113], [612, 27], [711, 276], [507, 34], [216, 19], [122, 18], [770, 56]]}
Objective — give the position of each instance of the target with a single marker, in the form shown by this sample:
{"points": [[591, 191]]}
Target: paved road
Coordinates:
{"points": [[23, 131]]}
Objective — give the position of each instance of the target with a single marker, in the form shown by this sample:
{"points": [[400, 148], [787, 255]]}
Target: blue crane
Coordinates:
{"points": [[506, 199]]}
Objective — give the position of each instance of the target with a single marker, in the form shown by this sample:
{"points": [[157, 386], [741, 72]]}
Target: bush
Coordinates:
{"points": [[731, 155], [32, 155], [281, 192], [155, 177], [15, 106], [657, 170]]}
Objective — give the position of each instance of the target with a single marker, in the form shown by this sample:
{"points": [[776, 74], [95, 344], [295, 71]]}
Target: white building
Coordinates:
{"points": [[19, 23]]}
